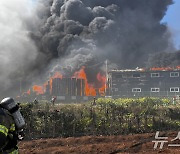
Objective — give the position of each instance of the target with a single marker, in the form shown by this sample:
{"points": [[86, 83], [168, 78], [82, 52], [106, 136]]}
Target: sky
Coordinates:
{"points": [[172, 19]]}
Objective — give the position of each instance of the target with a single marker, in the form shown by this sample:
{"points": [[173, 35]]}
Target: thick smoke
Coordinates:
{"points": [[165, 59], [87, 32], [17, 51], [69, 34]]}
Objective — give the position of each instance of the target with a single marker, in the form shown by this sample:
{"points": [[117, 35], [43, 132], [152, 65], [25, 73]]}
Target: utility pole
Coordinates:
{"points": [[106, 76]]}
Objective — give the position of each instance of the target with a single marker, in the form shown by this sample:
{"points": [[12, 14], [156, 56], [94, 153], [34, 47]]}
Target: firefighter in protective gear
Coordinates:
{"points": [[9, 127]]}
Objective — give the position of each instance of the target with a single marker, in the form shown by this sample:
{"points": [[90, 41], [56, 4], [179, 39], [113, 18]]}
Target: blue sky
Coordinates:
{"points": [[172, 19]]}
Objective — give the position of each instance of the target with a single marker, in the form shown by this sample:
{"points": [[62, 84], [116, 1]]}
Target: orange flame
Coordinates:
{"points": [[38, 89], [28, 92], [89, 89], [25, 93], [178, 67], [165, 68], [161, 69], [102, 79], [57, 75]]}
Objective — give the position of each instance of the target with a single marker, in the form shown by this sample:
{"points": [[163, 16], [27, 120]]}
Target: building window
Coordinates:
{"points": [[126, 75], [136, 89], [143, 75], [137, 75], [115, 89], [155, 75], [118, 75], [174, 89], [174, 74], [154, 89]]}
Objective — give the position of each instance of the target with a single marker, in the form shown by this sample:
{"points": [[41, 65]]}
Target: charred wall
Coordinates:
{"points": [[68, 87]]}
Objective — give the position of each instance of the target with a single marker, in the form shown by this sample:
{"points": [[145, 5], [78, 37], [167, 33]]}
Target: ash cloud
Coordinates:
{"points": [[65, 35], [87, 32], [164, 59]]}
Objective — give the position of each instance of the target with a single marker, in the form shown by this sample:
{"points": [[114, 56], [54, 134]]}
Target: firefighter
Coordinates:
{"points": [[53, 100], [11, 124]]}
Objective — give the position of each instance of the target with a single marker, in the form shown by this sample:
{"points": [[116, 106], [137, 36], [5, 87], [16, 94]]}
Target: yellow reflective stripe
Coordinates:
{"points": [[11, 151], [3, 130], [14, 152], [12, 128]]}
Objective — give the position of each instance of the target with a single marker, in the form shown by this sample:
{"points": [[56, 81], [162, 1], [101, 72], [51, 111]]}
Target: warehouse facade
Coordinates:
{"points": [[67, 89], [144, 82]]}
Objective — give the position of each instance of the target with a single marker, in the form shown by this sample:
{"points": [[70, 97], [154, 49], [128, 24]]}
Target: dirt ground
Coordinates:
{"points": [[136, 143]]}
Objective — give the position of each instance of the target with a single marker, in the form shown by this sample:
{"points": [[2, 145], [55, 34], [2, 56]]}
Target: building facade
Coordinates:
{"points": [[144, 82], [68, 89]]}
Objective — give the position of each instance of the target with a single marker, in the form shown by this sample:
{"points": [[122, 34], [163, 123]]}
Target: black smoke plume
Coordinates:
{"points": [[165, 59], [69, 34], [86, 32]]}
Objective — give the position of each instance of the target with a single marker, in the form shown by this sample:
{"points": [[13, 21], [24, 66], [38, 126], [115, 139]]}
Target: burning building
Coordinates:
{"points": [[71, 88], [156, 82], [68, 88], [77, 33]]}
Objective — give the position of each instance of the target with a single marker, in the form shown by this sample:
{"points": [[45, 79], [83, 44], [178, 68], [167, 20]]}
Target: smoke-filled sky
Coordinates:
{"points": [[171, 18], [17, 50], [64, 35], [82, 33]]}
